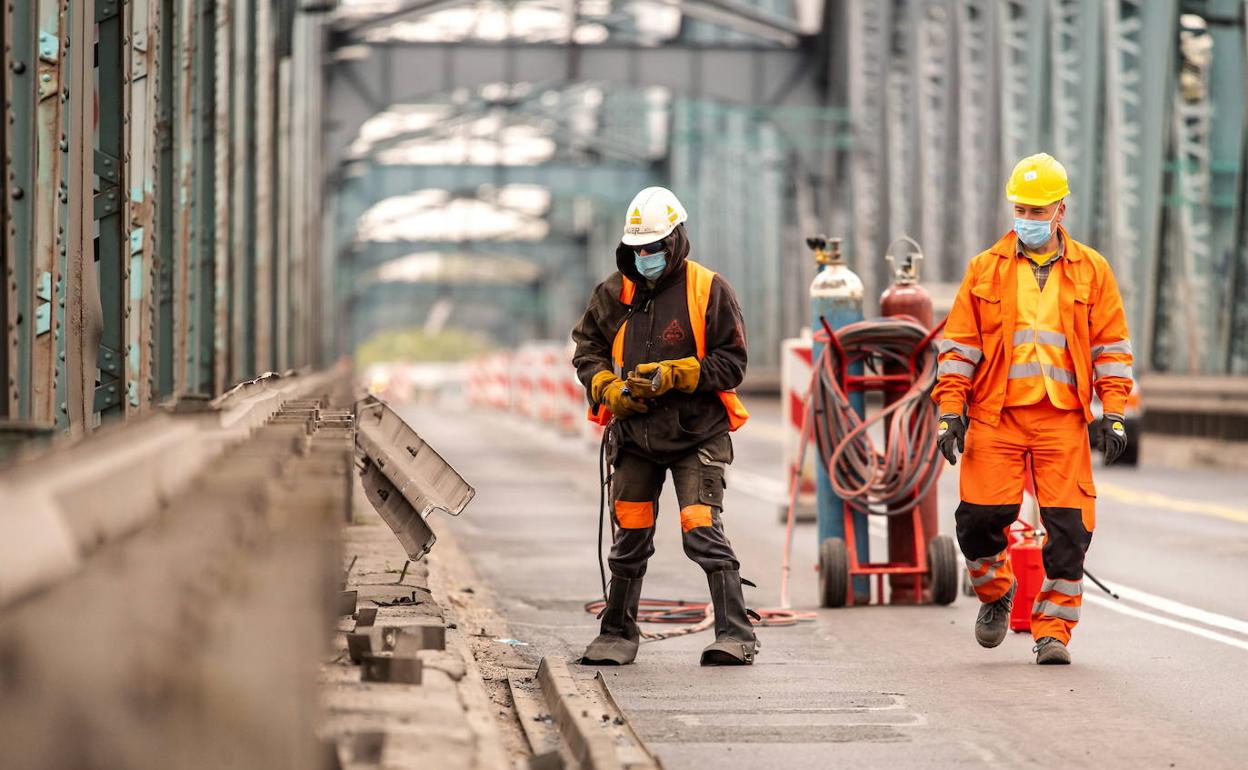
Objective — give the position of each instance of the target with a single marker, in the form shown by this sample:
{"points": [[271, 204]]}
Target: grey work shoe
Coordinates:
{"points": [[619, 635], [735, 643], [1051, 652], [994, 619]]}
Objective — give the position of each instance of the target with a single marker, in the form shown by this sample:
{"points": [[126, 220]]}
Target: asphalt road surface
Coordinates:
{"points": [[1160, 677]]}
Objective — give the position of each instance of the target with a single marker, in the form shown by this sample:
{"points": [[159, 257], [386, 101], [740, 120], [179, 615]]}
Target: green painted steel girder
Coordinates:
{"points": [[554, 249], [357, 194], [359, 88], [608, 182]]}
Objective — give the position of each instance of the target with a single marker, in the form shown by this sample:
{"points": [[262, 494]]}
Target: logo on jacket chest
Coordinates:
{"points": [[673, 333]]}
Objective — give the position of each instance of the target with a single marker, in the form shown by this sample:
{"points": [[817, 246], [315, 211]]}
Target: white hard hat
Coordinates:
{"points": [[652, 216]]}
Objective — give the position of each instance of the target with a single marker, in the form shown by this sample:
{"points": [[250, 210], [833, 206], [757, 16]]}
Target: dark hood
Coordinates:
{"points": [[676, 244]]}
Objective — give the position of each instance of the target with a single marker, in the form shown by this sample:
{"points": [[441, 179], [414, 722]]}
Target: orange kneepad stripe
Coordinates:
{"points": [[634, 515], [695, 516]]}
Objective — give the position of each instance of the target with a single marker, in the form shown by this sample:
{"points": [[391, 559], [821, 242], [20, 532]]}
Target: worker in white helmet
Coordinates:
{"points": [[660, 350]]}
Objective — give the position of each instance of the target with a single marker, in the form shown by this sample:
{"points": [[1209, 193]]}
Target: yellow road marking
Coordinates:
{"points": [[1158, 500]]}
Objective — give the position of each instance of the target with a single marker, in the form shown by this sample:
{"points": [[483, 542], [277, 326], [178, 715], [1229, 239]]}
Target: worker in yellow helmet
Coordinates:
{"points": [[1036, 328]]}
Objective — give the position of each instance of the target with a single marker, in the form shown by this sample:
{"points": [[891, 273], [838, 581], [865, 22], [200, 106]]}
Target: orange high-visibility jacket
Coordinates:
{"points": [[977, 349], [698, 280]]}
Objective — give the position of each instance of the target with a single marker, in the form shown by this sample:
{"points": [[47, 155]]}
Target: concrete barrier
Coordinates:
{"points": [[191, 642], [60, 505]]}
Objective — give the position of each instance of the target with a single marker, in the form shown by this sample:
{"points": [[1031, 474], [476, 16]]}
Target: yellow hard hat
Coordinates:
{"points": [[1037, 180]]}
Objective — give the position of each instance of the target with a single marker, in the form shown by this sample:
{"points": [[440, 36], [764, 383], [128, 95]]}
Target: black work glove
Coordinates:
{"points": [[1110, 436], [951, 436]]}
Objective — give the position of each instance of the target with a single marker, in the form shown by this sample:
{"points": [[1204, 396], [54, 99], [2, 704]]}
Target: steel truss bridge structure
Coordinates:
{"points": [[198, 191]]}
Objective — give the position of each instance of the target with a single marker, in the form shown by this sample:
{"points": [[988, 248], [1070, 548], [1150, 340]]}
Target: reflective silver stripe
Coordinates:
{"points": [[1112, 369], [1061, 375], [1053, 610], [1031, 369], [987, 561], [969, 352], [985, 578], [1114, 347], [1035, 369], [955, 367], [1067, 587], [1023, 336]]}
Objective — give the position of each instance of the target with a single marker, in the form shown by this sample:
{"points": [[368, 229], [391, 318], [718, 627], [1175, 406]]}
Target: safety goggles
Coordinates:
{"points": [[651, 248]]}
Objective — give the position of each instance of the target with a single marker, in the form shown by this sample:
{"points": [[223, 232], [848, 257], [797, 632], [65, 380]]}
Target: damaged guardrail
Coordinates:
{"points": [[404, 478]]}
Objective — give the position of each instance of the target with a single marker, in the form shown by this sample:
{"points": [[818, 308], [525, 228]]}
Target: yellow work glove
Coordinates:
{"points": [[651, 380], [608, 390]]}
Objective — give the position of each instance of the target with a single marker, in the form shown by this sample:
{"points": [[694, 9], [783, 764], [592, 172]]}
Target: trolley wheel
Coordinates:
{"points": [[942, 567], [967, 588], [833, 572]]}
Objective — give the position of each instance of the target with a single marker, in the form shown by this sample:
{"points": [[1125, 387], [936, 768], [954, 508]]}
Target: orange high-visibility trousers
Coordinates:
{"points": [[993, 475]]}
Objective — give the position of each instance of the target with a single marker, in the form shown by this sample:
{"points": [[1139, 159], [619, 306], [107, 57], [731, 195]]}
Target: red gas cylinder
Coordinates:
{"points": [[905, 297], [1025, 553]]}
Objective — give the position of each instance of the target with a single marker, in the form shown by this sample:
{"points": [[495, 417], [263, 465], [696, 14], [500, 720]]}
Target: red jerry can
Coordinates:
{"points": [[1024, 553]]}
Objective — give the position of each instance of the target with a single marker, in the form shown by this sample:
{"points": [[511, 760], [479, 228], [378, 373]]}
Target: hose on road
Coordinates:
{"points": [[698, 616]]}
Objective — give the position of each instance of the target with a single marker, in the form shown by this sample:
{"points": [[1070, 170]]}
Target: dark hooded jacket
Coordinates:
{"points": [[658, 330]]}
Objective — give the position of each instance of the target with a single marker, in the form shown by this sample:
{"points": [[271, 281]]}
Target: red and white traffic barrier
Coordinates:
{"points": [[496, 377], [523, 386], [536, 381], [795, 372]]}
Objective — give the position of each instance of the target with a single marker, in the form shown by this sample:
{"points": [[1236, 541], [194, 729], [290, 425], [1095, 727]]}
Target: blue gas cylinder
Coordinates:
{"points": [[836, 296]]}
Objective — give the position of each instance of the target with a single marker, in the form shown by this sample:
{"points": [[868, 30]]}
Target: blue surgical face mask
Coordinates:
{"points": [[1034, 233], [650, 265]]}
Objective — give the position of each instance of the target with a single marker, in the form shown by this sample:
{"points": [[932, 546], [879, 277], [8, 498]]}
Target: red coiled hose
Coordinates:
{"points": [[868, 479]]}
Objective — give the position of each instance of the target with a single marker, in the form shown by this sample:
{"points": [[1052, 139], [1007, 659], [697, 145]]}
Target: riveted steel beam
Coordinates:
{"points": [[167, 254], [83, 316], [47, 194], [979, 118], [264, 65], [1024, 79], [934, 111], [243, 273], [1140, 49], [112, 244], [868, 40], [143, 111], [20, 74], [1076, 91], [224, 243], [1226, 165]]}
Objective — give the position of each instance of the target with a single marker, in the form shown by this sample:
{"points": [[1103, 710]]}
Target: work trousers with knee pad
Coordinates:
{"points": [[992, 481], [699, 480]]}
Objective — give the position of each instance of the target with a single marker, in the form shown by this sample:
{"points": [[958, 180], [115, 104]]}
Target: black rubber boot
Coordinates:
{"points": [[619, 635], [735, 643]]}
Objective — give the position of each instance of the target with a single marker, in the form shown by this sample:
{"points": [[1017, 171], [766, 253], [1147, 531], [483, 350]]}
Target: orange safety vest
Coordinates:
{"points": [[698, 281]]}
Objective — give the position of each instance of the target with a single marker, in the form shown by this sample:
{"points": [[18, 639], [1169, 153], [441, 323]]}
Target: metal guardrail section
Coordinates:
{"points": [[404, 478], [1193, 406]]}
